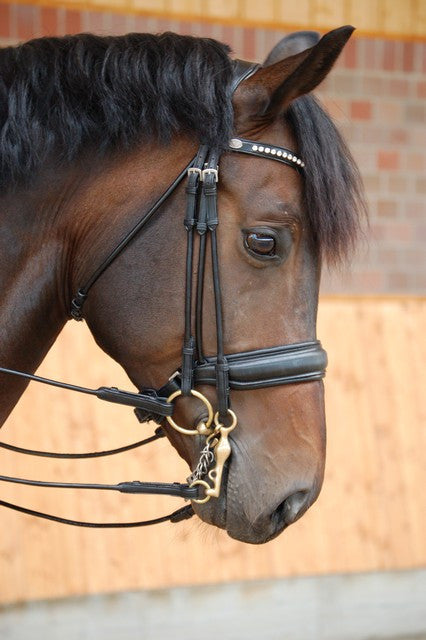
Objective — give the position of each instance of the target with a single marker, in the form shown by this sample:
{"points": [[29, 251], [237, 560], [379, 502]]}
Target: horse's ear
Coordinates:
{"points": [[292, 44], [268, 93]]}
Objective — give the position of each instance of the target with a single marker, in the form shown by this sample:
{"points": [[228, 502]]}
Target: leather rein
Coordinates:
{"points": [[300, 362]]}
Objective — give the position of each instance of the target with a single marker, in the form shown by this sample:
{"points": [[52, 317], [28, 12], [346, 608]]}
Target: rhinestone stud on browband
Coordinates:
{"points": [[236, 143]]}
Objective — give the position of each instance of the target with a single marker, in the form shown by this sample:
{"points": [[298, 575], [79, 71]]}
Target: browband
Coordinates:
{"points": [[265, 150], [301, 362]]}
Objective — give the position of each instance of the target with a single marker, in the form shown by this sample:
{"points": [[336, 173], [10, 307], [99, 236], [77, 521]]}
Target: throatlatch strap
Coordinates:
{"points": [[80, 297]]}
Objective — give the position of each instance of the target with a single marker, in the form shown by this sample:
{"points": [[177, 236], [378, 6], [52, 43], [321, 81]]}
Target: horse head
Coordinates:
{"points": [[276, 224]]}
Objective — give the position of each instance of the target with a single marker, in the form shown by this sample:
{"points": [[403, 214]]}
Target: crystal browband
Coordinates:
{"points": [[263, 150]]}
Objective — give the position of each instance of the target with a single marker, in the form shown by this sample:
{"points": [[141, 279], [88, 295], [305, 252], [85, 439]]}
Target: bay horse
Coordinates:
{"points": [[97, 134]]}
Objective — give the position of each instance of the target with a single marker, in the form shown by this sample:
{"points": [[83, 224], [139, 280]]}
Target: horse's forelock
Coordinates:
{"points": [[333, 187]]}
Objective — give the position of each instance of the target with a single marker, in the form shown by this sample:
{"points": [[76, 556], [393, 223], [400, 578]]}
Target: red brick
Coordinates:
{"points": [[5, 21], [422, 48], [72, 21], [398, 55], [389, 55], [361, 110], [408, 56], [249, 44], [229, 35], [371, 47], [95, 22], [48, 21], [389, 160], [27, 21], [350, 55]]}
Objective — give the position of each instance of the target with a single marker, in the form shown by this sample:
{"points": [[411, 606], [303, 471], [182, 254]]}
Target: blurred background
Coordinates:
{"points": [[354, 566]]}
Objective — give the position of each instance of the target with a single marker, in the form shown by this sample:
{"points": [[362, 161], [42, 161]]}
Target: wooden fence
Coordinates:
{"points": [[371, 513]]}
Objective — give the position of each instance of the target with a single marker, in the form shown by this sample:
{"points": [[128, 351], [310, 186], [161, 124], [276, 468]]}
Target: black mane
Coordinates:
{"points": [[60, 96]]}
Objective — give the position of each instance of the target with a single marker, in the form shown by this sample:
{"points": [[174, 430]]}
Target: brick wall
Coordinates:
{"points": [[376, 94]]}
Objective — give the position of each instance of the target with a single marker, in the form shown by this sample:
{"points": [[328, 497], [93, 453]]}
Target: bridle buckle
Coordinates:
{"points": [[195, 170], [206, 172]]}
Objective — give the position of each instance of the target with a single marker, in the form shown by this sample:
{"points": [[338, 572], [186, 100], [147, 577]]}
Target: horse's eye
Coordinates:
{"points": [[260, 243]]}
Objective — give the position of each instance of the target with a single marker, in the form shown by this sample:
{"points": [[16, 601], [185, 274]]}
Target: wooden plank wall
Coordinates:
{"points": [[371, 514], [393, 18]]}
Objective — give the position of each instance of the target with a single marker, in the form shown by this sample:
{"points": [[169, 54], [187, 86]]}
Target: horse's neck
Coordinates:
{"points": [[30, 317], [51, 239]]}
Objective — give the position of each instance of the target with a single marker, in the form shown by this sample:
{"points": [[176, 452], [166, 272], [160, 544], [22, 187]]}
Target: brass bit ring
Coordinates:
{"points": [[203, 428], [206, 486]]}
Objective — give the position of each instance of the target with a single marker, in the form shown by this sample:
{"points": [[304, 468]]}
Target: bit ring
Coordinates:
{"points": [[233, 424], [202, 427], [204, 484]]}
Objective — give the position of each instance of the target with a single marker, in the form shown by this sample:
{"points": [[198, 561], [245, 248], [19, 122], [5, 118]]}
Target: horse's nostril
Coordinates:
{"points": [[291, 509]]}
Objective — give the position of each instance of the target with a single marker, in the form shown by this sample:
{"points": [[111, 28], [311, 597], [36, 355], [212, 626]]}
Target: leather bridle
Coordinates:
{"points": [[289, 364]]}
